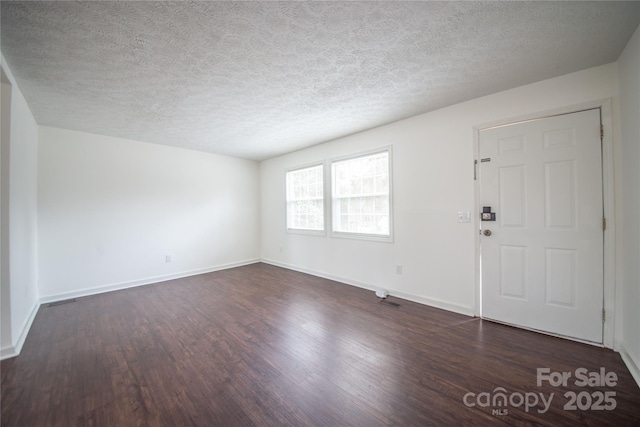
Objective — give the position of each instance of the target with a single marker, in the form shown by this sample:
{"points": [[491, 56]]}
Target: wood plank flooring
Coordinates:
{"points": [[264, 346]]}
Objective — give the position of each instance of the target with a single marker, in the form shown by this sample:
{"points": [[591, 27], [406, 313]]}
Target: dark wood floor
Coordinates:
{"points": [[260, 345]]}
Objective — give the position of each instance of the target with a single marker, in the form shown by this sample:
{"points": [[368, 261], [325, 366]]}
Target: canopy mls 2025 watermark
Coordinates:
{"points": [[500, 400]]}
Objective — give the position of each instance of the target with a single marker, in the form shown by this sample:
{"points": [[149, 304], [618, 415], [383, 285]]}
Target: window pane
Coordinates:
{"points": [[360, 192], [305, 198]]}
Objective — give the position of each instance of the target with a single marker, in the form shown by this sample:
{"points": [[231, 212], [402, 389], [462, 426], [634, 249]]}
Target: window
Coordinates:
{"points": [[361, 195], [305, 199]]}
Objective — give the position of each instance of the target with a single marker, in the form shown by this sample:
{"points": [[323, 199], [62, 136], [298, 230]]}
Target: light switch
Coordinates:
{"points": [[464, 216]]}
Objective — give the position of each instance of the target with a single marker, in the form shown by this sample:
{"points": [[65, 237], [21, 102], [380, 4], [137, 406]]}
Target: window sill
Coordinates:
{"points": [[362, 236], [321, 233]]}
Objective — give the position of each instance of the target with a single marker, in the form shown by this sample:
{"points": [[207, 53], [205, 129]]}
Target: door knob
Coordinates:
{"points": [[487, 232]]}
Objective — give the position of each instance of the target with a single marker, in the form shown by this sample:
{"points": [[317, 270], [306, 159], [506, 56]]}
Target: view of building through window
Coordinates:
{"points": [[305, 198], [360, 195]]}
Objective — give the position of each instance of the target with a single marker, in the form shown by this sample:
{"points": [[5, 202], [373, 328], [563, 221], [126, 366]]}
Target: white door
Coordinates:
{"points": [[542, 258]]}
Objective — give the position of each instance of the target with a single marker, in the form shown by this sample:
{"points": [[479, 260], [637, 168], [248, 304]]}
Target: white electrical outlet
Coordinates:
{"points": [[398, 269], [464, 216], [167, 258]]}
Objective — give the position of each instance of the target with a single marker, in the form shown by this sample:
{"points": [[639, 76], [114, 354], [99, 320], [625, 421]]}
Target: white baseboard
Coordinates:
{"points": [[632, 365], [320, 274], [468, 311], [432, 302], [8, 352], [14, 350], [141, 282]]}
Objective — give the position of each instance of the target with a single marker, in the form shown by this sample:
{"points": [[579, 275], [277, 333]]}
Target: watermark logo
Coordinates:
{"points": [[500, 400]]}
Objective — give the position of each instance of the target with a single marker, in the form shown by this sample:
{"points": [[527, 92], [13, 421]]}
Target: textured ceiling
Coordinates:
{"points": [[258, 79]]}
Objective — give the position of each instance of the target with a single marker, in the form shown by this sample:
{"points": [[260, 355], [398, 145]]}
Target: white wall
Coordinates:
{"points": [[5, 288], [433, 179], [629, 68], [111, 209], [19, 202]]}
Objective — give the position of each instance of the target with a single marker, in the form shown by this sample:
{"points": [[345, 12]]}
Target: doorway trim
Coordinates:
{"points": [[608, 179]]}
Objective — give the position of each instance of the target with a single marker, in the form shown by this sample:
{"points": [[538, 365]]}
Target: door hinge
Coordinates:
{"points": [[601, 131], [604, 223], [475, 170], [604, 317]]}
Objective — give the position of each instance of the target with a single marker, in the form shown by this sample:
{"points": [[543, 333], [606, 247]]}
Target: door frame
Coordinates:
{"points": [[608, 178]]}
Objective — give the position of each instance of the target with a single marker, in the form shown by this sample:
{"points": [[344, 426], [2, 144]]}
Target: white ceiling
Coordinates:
{"points": [[259, 79]]}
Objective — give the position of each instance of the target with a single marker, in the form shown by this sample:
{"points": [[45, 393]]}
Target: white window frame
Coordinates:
{"points": [[354, 235], [322, 232]]}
